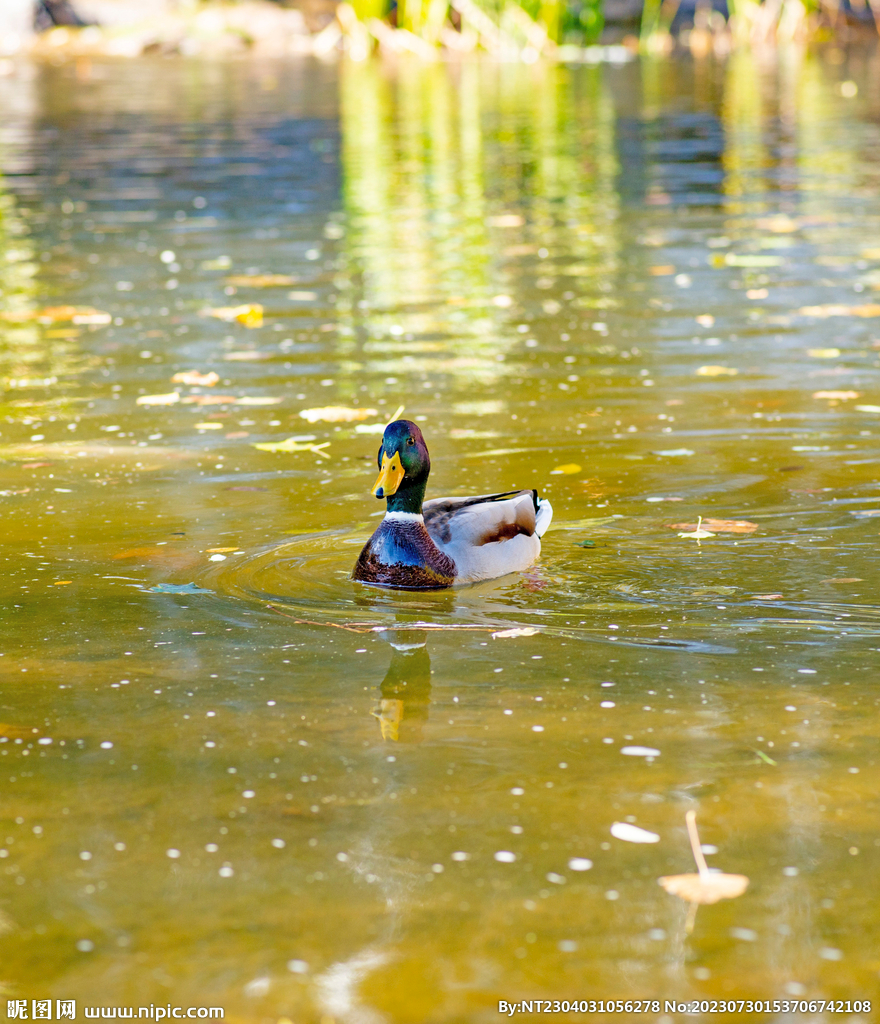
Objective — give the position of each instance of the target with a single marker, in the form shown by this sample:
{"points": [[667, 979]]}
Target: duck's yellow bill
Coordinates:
{"points": [[390, 476]]}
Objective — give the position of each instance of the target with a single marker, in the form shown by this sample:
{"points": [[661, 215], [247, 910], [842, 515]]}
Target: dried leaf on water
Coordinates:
{"points": [[699, 533], [209, 400], [58, 314], [336, 414], [261, 280], [716, 526], [567, 469], [194, 378], [517, 631], [867, 310], [249, 315], [246, 356], [292, 445], [172, 398], [823, 353], [716, 371], [706, 886]]}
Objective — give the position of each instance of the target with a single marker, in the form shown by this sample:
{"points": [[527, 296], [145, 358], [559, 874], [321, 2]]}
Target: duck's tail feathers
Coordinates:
{"points": [[543, 516]]}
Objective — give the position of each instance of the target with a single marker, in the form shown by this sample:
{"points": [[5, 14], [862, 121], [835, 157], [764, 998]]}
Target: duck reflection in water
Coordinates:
{"points": [[406, 689]]}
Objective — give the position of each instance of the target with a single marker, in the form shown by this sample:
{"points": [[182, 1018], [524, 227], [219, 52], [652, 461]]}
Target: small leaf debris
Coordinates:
{"points": [[717, 526], [336, 414], [194, 378], [699, 533], [706, 886]]}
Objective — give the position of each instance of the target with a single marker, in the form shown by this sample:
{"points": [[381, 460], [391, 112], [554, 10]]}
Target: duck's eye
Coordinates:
{"points": [[410, 441]]}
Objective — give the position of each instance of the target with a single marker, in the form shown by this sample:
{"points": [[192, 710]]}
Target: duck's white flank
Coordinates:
{"points": [[404, 517]]}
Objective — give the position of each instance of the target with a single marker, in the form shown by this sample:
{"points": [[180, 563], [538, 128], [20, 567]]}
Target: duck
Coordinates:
{"points": [[443, 542]]}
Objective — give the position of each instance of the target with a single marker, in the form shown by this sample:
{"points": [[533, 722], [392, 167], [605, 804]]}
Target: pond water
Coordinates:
{"points": [[232, 777]]}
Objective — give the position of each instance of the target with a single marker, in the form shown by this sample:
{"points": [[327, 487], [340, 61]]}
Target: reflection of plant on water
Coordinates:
{"points": [[432, 251], [36, 351]]}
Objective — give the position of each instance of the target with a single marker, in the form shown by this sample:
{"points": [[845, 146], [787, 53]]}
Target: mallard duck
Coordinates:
{"points": [[427, 545]]}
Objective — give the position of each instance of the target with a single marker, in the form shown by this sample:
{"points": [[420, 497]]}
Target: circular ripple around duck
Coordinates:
{"points": [[311, 575]]}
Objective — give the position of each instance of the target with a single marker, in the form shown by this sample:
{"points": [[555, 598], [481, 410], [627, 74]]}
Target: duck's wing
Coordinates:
{"points": [[490, 534], [482, 519]]}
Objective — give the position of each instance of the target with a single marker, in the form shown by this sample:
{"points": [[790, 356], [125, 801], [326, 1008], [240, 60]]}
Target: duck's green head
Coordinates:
{"points": [[404, 465]]}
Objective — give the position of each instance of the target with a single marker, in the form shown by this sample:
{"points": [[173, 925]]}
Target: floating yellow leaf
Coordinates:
{"points": [[823, 353], [336, 414], [196, 379], [208, 400], [716, 371], [261, 280], [566, 469], [62, 583], [839, 396], [250, 314], [292, 445], [172, 398], [220, 551], [717, 526], [246, 357], [209, 426], [868, 310], [258, 400], [58, 314], [517, 631], [706, 886]]}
